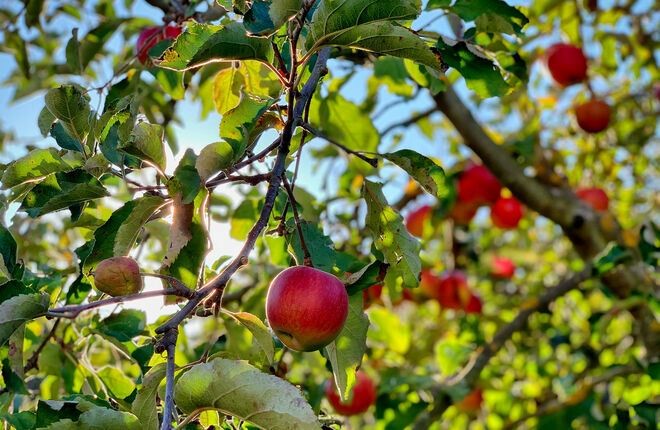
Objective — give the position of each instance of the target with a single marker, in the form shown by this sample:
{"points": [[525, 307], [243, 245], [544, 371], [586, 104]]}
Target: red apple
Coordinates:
{"points": [[502, 268], [151, 36], [566, 63], [506, 213], [478, 185], [416, 220], [306, 307], [371, 295], [472, 305], [363, 395], [595, 197], [463, 212], [471, 402], [118, 276], [593, 116]]}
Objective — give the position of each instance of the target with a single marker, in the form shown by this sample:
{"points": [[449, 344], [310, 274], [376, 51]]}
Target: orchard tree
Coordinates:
{"points": [[501, 154]]}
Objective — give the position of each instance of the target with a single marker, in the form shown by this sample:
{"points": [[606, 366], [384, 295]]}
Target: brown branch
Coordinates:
{"points": [[32, 362], [307, 258], [168, 344], [410, 121]]}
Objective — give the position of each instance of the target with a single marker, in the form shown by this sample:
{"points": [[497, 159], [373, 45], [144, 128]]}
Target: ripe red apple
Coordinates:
{"points": [[472, 305], [476, 184], [463, 212], [506, 213], [363, 396], [306, 307], [416, 220], [595, 197], [502, 268], [371, 295], [471, 402], [151, 36], [118, 276], [566, 63], [593, 116]]}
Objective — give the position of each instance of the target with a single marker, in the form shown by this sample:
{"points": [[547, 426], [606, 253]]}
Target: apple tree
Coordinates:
{"points": [[437, 214]]}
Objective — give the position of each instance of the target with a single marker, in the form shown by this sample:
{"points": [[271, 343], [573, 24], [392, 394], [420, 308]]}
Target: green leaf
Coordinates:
{"points": [[146, 143], [387, 39], [15, 44], [238, 123], [244, 217], [481, 75], [144, 405], [70, 105], [62, 190], [344, 122], [320, 246], [45, 121], [261, 335], [333, 17], [33, 9], [63, 139], [186, 180], [7, 249], [213, 158], [611, 257], [94, 41], [118, 234], [124, 325], [365, 278], [120, 385], [491, 16], [72, 52], [35, 165], [98, 418], [170, 81], [266, 16], [20, 309], [239, 389], [204, 43], [227, 86], [425, 171], [390, 236], [346, 351]]}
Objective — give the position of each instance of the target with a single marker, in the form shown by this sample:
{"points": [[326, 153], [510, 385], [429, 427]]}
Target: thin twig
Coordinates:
{"points": [[168, 342], [32, 362], [307, 258], [410, 121], [371, 161]]}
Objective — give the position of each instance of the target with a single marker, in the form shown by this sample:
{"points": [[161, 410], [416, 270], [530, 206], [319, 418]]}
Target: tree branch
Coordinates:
{"points": [[372, 161], [307, 258], [168, 343], [410, 121]]}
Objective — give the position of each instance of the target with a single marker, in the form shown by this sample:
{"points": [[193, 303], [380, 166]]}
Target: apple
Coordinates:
{"points": [[595, 197], [472, 305], [566, 63], [362, 396], [506, 213], [502, 268], [371, 295], [472, 402], [118, 276], [306, 307], [463, 212], [477, 185], [593, 116], [416, 220], [151, 36]]}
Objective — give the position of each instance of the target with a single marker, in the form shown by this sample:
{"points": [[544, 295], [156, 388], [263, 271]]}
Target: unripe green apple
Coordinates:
{"points": [[363, 396], [118, 276], [306, 308]]}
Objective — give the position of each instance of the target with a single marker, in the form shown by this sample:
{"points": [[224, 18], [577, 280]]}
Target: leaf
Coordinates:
{"points": [[94, 41], [611, 257], [144, 405], [118, 234], [346, 351], [213, 158], [344, 122], [146, 143], [261, 334], [33, 9], [123, 325], [333, 17], [70, 105], [7, 249], [386, 38], [35, 165], [238, 123], [239, 389], [480, 74], [204, 43], [120, 385], [227, 86], [243, 218], [170, 81], [401, 251], [72, 52], [63, 139], [425, 171], [491, 16], [186, 181], [62, 190], [266, 16], [368, 276], [45, 121], [19, 309], [320, 246], [98, 418]]}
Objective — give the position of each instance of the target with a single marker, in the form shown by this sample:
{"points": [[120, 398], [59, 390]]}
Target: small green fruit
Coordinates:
{"points": [[118, 276]]}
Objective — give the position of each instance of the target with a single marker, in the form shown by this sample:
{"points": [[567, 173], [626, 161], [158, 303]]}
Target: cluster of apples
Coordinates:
{"points": [[476, 186], [567, 65], [451, 290]]}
